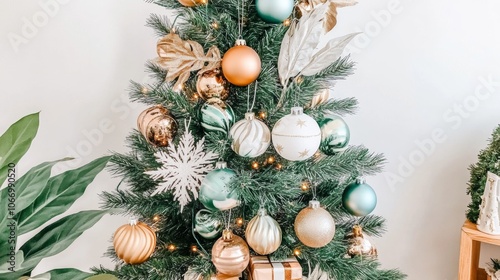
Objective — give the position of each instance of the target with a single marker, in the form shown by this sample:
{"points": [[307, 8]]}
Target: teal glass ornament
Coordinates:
{"points": [[274, 11], [359, 198], [217, 116], [206, 225], [335, 135], [214, 191]]}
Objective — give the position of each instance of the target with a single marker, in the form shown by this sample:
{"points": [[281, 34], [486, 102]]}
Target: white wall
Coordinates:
{"points": [[418, 63]]}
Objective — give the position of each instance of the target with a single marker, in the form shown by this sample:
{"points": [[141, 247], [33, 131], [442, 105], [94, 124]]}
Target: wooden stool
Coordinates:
{"points": [[470, 249]]}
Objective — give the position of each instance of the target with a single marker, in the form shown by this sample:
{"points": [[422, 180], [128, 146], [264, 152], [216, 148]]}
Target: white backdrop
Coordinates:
{"points": [[427, 80]]}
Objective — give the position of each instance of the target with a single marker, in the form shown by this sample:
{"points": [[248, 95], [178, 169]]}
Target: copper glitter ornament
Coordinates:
{"points": [[230, 254], [192, 3], [241, 64], [212, 85], [314, 226], [134, 242], [157, 126]]}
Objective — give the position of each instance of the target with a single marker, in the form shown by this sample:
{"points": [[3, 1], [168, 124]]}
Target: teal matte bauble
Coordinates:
{"points": [[217, 116], [335, 135], [359, 198], [206, 224], [214, 191], [274, 11]]}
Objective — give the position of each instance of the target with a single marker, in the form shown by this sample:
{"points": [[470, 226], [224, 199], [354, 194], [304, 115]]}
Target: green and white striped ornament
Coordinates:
{"points": [[335, 135], [215, 194], [217, 116]]}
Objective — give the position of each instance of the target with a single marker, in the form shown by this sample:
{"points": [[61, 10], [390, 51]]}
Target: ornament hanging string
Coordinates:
{"points": [[241, 14], [250, 108]]}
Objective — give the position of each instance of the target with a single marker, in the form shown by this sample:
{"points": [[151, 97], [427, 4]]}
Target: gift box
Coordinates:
{"points": [[224, 277], [261, 268]]}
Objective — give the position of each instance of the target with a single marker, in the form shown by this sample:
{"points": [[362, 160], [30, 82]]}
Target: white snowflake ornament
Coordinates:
{"points": [[183, 168]]}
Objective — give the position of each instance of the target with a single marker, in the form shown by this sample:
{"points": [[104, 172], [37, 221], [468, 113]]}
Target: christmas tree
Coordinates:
{"points": [[488, 160], [242, 153]]}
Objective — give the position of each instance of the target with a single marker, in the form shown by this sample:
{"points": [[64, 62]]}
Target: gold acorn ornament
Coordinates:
{"points": [[192, 3], [134, 242], [157, 125], [241, 65], [314, 226], [230, 254], [358, 245], [263, 233], [212, 85]]}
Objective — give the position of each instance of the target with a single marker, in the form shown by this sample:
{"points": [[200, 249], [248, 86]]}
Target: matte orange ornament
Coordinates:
{"points": [[241, 64], [134, 242], [192, 3]]}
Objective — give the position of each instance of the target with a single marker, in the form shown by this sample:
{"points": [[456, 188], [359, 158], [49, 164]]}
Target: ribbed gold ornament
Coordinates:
{"points": [[135, 242], [263, 233], [314, 226], [230, 254]]}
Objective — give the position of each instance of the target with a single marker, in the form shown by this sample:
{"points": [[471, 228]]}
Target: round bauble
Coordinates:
{"points": [[314, 226], [192, 3], [263, 233], [251, 137], [230, 254], [214, 191], [157, 126], [206, 225], [296, 136], [359, 198], [359, 245], [212, 84], [320, 97], [335, 135], [216, 116], [241, 65], [274, 11], [134, 242]]}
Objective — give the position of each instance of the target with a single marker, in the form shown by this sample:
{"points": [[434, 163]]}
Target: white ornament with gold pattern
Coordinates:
{"points": [[296, 136]]}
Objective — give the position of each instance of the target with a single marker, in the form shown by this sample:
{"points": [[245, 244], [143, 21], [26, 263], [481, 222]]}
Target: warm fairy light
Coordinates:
{"points": [[287, 22], [215, 25], [156, 218], [279, 166], [317, 154], [263, 115], [194, 249], [304, 186], [255, 165], [239, 221], [296, 252], [204, 2], [196, 96], [179, 88], [144, 90], [271, 160], [171, 247], [299, 80]]}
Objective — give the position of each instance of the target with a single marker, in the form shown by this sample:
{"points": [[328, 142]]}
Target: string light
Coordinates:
{"points": [[287, 22], [204, 2], [144, 90], [194, 249], [279, 166], [156, 218], [171, 247], [262, 115], [271, 160], [305, 186], [215, 25], [299, 80], [296, 252], [255, 165], [239, 222], [317, 154], [179, 88], [196, 97]]}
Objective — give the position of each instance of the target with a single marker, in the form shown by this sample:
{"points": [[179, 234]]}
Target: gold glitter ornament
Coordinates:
{"points": [[314, 226]]}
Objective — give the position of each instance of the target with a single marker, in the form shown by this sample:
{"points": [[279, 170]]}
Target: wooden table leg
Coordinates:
{"points": [[469, 257]]}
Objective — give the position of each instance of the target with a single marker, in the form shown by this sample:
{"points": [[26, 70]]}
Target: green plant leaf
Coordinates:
{"points": [[59, 194], [15, 142], [64, 274], [27, 189], [58, 236], [102, 277]]}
